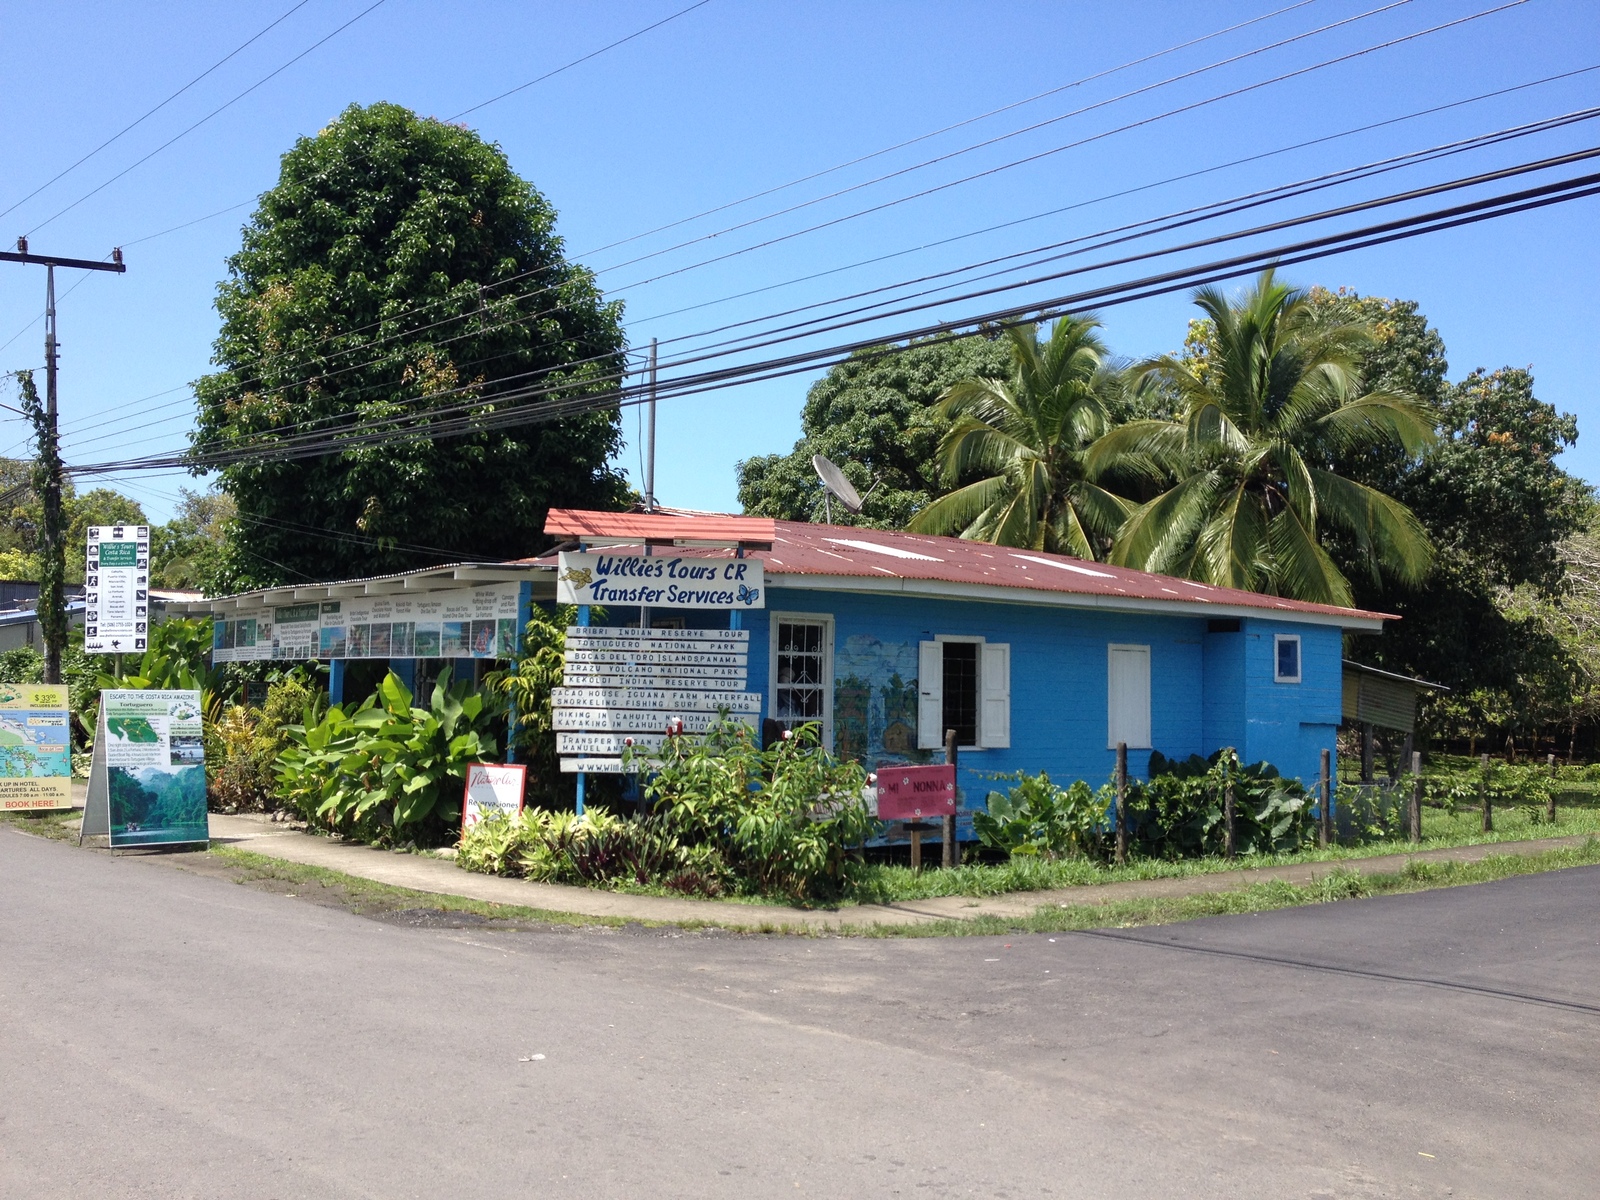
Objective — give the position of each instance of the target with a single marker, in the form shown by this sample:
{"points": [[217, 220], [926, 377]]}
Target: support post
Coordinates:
{"points": [[1367, 747], [1483, 790], [1550, 804], [1228, 840], [524, 615], [1325, 787], [950, 857], [1415, 815], [583, 779], [1122, 803], [650, 437], [336, 681]]}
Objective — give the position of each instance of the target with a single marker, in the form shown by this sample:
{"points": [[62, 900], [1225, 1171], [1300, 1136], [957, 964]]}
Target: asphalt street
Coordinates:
{"points": [[166, 1034]]}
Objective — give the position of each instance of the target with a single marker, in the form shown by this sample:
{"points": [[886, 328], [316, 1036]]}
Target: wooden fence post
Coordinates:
{"points": [[1325, 831], [1483, 789], [1227, 805], [952, 856], [1122, 803], [1550, 805], [1416, 796]]}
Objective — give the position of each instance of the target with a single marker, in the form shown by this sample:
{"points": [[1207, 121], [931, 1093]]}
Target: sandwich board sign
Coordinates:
{"points": [[491, 788], [116, 590], [147, 779], [35, 747]]}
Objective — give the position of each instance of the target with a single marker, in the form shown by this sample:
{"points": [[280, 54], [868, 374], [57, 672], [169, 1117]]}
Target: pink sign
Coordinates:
{"points": [[916, 793]]}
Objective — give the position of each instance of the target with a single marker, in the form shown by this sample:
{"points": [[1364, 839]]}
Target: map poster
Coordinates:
{"points": [[491, 788], [148, 781], [35, 747], [116, 590]]}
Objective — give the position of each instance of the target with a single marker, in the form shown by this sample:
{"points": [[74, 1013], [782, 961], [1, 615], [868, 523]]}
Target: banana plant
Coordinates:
{"points": [[389, 767]]}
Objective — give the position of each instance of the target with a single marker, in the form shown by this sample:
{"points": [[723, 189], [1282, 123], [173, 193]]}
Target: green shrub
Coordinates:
{"points": [[387, 771], [785, 820], [595, 849], [1179, 812], [1037, 817]]}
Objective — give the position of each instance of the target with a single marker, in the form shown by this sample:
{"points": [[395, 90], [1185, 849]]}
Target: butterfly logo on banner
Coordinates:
{"points": [[748, 594]]}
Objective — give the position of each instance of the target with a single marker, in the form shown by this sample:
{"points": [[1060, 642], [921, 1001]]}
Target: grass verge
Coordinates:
{"points": [[368, 898], [1339, 884]]}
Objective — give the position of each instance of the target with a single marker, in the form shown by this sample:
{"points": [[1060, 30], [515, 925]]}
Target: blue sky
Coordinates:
{"points": [[735, 98]]}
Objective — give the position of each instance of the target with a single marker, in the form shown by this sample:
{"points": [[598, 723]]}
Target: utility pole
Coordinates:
{"points": [[52, 605], [650, 437]]}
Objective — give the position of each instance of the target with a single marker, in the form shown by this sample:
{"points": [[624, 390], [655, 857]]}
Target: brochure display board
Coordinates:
{"points": [[478, 622], [35, 747], [491, 788], [147, 781], [116, 590], [628, 687]]}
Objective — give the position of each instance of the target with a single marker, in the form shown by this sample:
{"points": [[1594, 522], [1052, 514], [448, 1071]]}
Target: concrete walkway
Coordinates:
{"points": [[442, 877]]}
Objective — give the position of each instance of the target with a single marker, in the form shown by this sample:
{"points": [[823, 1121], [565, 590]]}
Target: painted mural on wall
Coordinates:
{"points": [[875, 701]]}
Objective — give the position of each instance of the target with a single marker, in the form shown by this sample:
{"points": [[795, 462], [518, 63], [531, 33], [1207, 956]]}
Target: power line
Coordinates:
{"points": [[1155, 225], [1112, 294], [638, 33], [418, 309], [214, 112], [141, 416], [137, 121]]}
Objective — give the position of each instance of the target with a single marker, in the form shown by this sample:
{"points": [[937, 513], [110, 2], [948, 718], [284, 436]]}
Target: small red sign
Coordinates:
{"points": [[916, 793]]}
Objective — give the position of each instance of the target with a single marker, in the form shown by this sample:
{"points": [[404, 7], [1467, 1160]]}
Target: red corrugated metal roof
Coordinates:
{"points": [[659, 526], [799, 548]]}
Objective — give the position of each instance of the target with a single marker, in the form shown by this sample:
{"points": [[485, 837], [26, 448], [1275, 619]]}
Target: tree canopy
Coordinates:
{"points": [[873, 416], [400, 266], [1025, 436], [1278, 395]]}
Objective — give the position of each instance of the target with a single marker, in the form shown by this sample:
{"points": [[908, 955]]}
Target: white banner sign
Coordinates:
{"points": [[629, 721], [656, 699], [116, 590], [606, 637], [660, 581], [656, 658], [606, 743], [622, 675]]}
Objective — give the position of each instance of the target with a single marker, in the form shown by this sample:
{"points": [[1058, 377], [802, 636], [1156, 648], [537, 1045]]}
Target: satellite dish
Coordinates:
{"points": [[833, 479]]}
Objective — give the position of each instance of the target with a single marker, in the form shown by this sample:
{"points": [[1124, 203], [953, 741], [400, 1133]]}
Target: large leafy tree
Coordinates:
{"points": [[873, 415], [1025, 437], [401, 266], [1263, 416], [1505, 518]]}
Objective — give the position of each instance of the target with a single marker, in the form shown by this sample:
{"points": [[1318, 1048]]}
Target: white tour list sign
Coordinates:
{"points": [[116, 590], [625, 687]]}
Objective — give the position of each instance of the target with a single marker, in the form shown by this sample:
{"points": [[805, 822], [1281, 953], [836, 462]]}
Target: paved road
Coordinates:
{"points": [[165, 1034]]}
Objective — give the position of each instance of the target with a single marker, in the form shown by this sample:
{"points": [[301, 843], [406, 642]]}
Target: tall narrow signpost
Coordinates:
{"points": [[116, 590]]}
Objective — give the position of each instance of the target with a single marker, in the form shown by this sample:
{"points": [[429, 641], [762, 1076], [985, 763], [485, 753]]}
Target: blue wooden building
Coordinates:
{"points": [[1041, 662]]}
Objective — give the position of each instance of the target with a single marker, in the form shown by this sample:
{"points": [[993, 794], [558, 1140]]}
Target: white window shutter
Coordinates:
{"points": [[930, 696], [1128, 697], [994, 726]]}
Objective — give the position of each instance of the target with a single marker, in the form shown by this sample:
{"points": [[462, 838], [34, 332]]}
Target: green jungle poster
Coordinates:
{"points": [[155, 767]]}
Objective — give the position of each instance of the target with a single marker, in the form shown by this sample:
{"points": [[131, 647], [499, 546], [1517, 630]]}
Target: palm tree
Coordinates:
{"points": [[1027, 435], [1264, 415]]}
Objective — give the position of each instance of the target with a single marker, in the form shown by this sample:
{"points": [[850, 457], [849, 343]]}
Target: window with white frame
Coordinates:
{"points": [[964, 683], [1128, 696], [1286, 658], [801, 671]]}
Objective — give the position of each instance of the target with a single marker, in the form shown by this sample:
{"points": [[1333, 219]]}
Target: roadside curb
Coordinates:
{"points": [[442, 877]]}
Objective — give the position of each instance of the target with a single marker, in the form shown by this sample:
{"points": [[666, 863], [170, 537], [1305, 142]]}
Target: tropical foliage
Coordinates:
{"points": [[388, 770], [1262, 415], [874, 416], [1025, 437]]}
